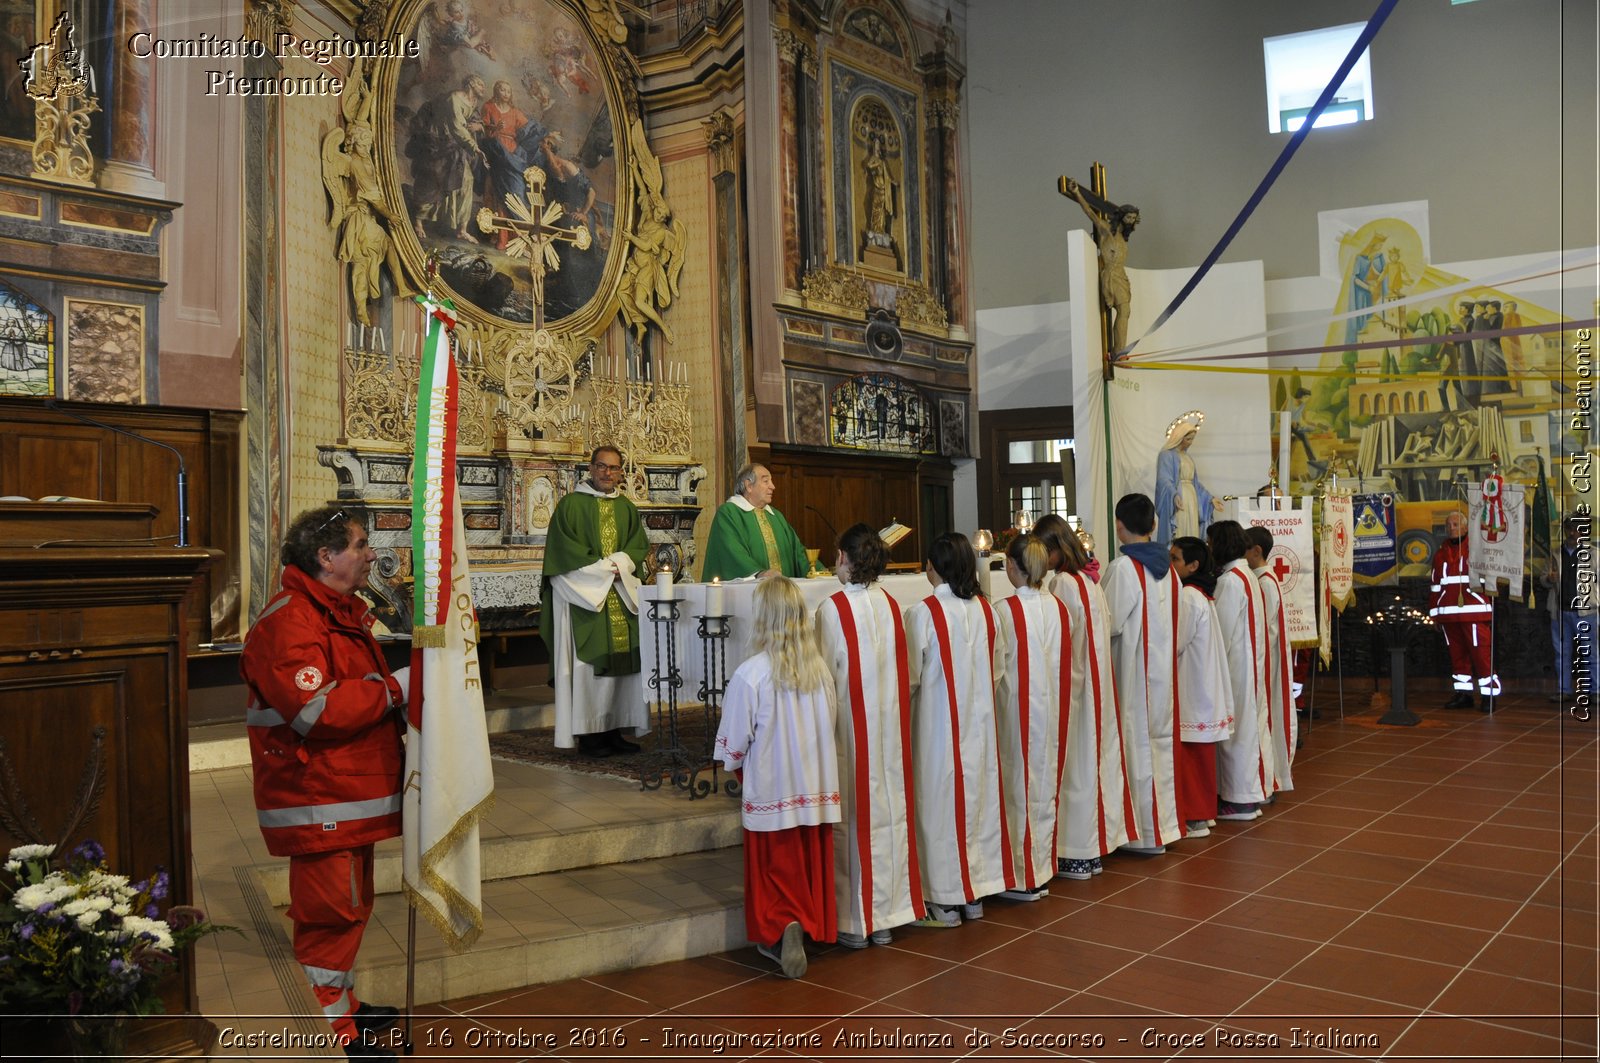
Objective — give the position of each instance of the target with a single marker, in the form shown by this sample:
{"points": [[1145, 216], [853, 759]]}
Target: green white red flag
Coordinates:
{"points": [[449, 779]]}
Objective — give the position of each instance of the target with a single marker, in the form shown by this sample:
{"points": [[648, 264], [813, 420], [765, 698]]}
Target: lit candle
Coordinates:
{"points": [[714, 597], [664, 585]]}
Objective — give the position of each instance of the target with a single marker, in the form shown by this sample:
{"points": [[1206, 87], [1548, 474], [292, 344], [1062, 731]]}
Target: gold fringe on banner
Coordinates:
{"points": [[428, 637]]}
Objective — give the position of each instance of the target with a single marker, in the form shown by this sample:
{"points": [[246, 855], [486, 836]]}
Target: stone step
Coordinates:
{"points": [[565, 924], [224, 745], [697, 827]]}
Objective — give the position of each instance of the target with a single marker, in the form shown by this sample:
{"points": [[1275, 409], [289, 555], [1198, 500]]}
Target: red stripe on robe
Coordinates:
{"points": [[858, 724], [941, 631]]}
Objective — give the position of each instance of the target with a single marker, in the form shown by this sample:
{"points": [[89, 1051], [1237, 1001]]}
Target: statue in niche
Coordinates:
{"points": [[1112, 226], [880, 201], [650, 279], [359, 215]]}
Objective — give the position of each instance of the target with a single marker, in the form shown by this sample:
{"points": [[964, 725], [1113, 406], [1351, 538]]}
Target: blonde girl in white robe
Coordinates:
{"points": [[877, 879], [777, 732], [1032, 701], [951, 643], [1095, 808], [1244, 760]]}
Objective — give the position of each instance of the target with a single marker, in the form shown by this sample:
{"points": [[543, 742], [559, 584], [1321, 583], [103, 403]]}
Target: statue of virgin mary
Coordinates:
{"points": [[1183, 505]]}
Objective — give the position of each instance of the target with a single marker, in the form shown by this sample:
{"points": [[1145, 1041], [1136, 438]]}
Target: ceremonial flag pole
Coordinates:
{"points": [[449, 777]]}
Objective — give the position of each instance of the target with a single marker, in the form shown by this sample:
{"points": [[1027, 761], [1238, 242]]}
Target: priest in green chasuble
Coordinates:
{"points": [[589, 612], [749, 537]]}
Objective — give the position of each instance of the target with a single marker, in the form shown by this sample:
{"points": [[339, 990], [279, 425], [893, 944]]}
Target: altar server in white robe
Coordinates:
{"points": [[877, 879], [1204, 705], [1095, 809], [1281, 720], [1034, 712], [777, 733], [1142, 596], [951, 644], [1244, 760]]}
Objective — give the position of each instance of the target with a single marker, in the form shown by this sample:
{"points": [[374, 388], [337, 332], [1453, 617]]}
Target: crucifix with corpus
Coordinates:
{"points": [[535, 232], [1113, 224]]}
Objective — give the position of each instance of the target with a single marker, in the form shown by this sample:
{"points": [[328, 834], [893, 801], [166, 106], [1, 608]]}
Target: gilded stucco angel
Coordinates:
{"points": [[650, 279], [359, 214]]}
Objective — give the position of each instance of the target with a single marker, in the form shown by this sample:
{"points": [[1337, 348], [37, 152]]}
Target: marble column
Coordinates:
{"points": [[130, 105], [790, 48], [722, 141]]}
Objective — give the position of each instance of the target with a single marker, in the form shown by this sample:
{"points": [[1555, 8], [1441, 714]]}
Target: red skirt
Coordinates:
{"points": [[1197, 781], [788, 878]]}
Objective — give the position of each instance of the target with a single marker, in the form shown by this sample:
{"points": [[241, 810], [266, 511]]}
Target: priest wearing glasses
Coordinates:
{"points": [[749, 537]]}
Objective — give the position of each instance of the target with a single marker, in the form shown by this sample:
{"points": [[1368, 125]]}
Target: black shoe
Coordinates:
{"points": [[619, 744], [594, 745], [1462, 700], [1486, 705], [370, 1018]]}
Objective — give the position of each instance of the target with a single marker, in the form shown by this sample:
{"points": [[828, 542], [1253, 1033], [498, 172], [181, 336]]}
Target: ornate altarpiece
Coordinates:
{"points": [[551, 97]]}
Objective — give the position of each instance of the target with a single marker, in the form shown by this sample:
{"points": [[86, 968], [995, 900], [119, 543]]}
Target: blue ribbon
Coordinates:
{"points": [[1370, 31]]}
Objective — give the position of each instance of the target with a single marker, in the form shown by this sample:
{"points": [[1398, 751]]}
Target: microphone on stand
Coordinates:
{"points": [[825, 521], [183, 473]]}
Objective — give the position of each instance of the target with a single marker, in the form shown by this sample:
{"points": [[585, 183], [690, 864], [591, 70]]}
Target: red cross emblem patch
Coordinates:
{"points": [[308, 678]]}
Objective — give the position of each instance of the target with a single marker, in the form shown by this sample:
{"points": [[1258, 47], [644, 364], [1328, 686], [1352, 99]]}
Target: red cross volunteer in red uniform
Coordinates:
{"points": [[325, 746], [1463, 616]]}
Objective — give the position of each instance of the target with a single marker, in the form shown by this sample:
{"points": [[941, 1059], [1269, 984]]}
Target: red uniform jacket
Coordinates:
{"points": [[324, 733], [1454, 601]]}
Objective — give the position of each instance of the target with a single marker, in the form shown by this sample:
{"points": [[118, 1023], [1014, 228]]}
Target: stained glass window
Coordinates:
{"points": [[27, 345], [880, 412]]}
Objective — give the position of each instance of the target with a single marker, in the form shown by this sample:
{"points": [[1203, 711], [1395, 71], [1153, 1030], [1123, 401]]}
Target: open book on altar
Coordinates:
{"points": [[894, 533]]}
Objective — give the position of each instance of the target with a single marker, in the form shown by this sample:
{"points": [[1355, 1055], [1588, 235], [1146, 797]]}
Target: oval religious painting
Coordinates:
{"points": [[501, 87]]}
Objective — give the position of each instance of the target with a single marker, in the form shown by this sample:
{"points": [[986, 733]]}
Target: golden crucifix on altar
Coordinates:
{"points": [[536, 234]]}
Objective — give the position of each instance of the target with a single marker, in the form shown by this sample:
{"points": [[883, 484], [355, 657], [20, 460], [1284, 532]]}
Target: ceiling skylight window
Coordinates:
{"points": [[1300, 65]]}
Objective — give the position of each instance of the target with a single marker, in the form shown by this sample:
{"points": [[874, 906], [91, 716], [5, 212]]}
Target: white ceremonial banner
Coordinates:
{"points": [[1496, 537], [1292, 559], [1338, 545]]}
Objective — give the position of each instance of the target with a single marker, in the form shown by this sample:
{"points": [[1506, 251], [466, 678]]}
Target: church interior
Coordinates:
{"points": [[934, 265]]}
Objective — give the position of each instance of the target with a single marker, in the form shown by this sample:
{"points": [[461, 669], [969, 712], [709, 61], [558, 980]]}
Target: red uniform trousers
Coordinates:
{"points": [[788, 878], [1196, 779], [330, 901], [1470, 656]]}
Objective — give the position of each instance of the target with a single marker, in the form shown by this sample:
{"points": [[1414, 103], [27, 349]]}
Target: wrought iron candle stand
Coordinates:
{"points": [[669, 758], [713, 632], [1400, 625]]}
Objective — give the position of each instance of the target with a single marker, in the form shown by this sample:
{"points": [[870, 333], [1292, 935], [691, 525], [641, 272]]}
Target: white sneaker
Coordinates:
{"points": [[852, 941], [882, 937], [972, 911], [790, 952], [939, 917], [1143, 850], [1196, 829]]}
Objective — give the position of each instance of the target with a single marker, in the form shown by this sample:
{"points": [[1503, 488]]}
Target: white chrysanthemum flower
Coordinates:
{"points": [[156, 928], [31, 852], [121, 910], [87, 920], [78, 907], [13, 866], [28, 898]]}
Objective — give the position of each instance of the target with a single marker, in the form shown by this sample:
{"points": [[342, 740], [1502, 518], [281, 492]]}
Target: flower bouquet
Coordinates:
{"points": [[80, 941]]}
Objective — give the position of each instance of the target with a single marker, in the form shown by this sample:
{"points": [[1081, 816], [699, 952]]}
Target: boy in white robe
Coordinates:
{"points": [[1142, 595], [877, 880], [1244, 759], [1095, 810], [777, 734], [962, 835], [1034, 713], [1281, 721], [1204, 704]]}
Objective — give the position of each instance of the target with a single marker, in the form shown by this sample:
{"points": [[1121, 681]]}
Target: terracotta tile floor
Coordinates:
{"points": [[1423, 893]]}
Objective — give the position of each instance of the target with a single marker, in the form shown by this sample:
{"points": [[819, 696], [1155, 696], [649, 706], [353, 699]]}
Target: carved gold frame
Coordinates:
{"points": [[596, 315]]}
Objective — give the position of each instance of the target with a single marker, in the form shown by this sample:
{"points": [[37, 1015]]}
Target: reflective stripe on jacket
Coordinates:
{"points": [[1453, 599]]}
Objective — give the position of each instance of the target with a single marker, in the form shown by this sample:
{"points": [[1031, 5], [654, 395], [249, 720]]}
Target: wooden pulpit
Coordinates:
{"points": [[93, 699]]}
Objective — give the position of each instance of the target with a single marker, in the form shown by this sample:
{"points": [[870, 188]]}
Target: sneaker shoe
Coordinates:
{"points": [[1073, 869], [852, 941], [1236, 813], [1096, 866], [1026, 895], [1268, 800], [972, 911], [1211, 823], [882, 937], [371, 1018], [789, 953], [1142, 850], [1196, 828], [939, 917]]}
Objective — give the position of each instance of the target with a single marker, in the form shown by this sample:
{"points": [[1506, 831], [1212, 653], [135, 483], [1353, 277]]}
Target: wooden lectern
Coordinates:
{"points": [[92, 635]]}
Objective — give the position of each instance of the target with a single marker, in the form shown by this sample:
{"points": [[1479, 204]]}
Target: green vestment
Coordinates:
{"points": [[583, 530], [736, 548]]}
